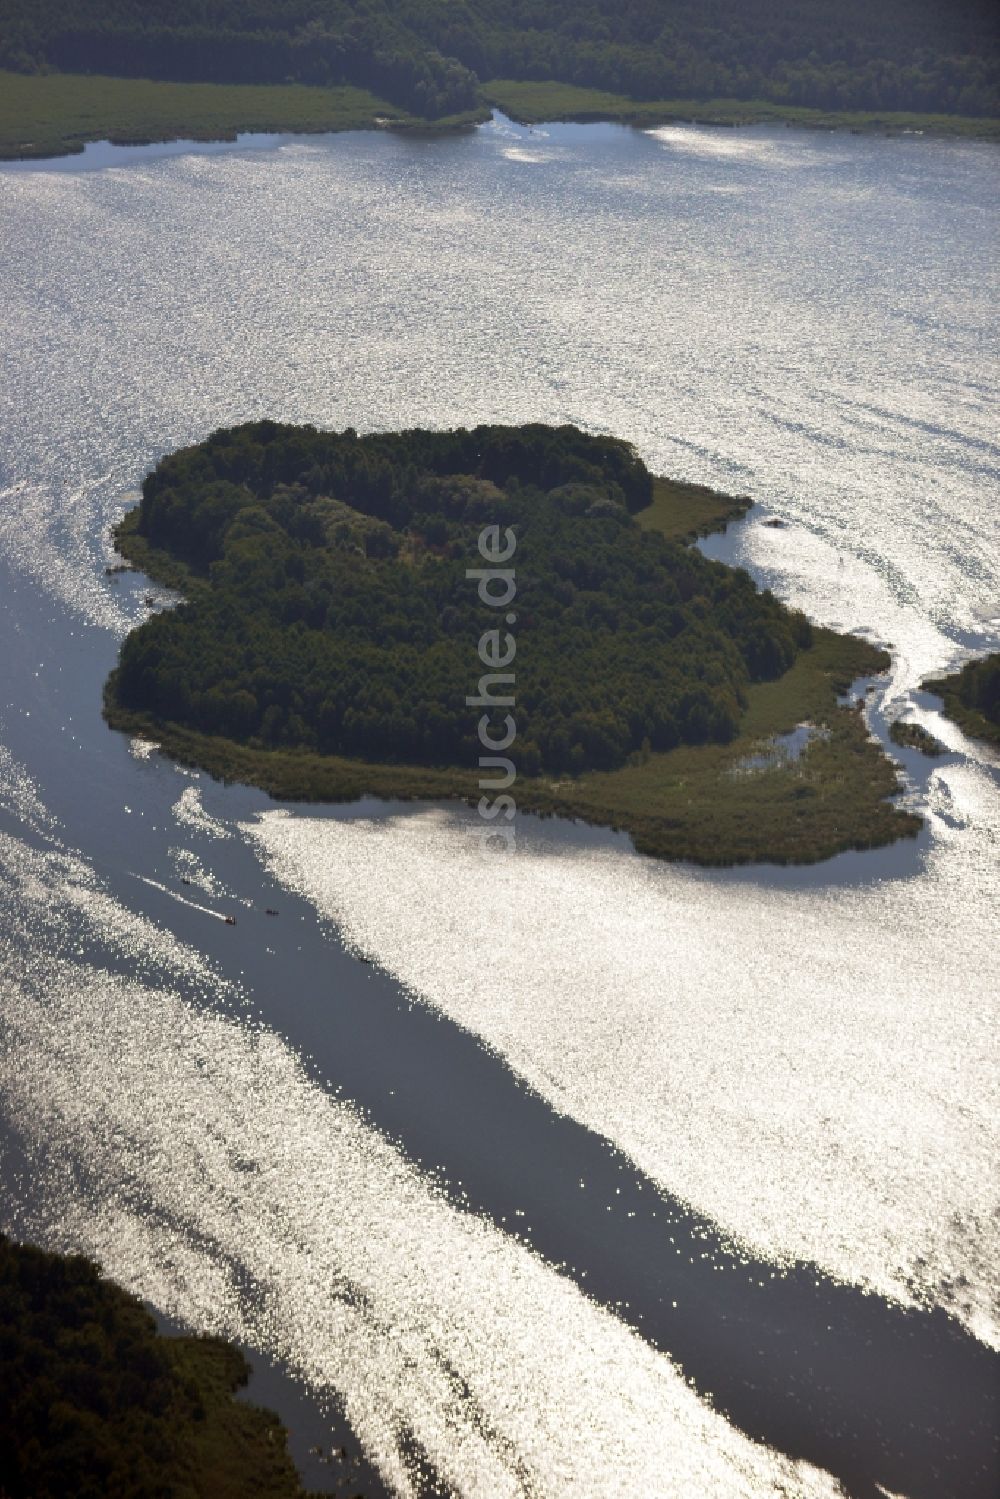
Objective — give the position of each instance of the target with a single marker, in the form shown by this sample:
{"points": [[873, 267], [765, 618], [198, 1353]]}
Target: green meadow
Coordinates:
{"points": [[55, 114], [532, 103]]}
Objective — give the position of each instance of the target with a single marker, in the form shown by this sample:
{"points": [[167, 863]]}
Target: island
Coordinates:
{"points": [[94, 1401], [329, 641], [128, 72], [915, 736], [971, 697]]}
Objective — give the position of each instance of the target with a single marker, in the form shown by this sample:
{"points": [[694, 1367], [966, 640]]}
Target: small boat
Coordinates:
{"points": [[230, 921], [270, 911]]}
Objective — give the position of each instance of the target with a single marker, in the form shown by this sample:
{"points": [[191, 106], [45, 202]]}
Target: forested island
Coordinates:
{"points": [[869, 61], [95, 1404], [915, 736], [327, 641], [971, 697]]}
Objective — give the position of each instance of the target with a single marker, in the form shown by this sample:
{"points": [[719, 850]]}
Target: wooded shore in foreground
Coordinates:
{"points": [[96, 1404]]}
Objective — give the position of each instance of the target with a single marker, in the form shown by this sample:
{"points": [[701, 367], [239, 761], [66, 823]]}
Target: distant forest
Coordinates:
{"points": [[329, 608], [428, 56]]}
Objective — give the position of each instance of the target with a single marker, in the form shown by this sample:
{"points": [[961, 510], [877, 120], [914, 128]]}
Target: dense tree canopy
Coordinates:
{"points": [[334, 611], [428, 54], [972, 697], [977, 686], [94, 1404]]}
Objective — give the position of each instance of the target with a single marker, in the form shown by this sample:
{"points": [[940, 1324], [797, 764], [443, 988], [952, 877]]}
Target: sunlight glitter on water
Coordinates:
{"points": [[816, 1070], [245, 1200], [823, 348], [812, 1066]]}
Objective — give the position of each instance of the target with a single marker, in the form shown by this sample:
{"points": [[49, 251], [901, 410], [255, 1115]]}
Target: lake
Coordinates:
{"points": [[578, 1173]]}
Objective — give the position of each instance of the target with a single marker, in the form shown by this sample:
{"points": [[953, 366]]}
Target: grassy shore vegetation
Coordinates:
{"points": [[683, 512], [95, 1404], [532, 102], [971, 698], [56, 114], [329, 639]]}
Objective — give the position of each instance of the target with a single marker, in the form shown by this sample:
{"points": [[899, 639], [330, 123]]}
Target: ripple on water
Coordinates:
{"points": [[190, 813]]}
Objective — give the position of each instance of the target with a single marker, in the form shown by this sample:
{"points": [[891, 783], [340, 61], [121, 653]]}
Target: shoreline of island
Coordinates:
{"points": [[692, 803], [47, 116]]}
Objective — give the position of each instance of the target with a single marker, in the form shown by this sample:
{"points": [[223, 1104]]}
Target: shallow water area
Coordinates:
{"points": [[518, 1180], [781, 750], [99, 155]]}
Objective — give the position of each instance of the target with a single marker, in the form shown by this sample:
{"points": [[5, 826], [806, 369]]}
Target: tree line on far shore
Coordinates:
{"points": [[428, 56]]}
